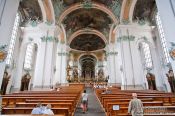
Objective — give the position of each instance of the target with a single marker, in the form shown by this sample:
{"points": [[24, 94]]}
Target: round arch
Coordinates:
{"points": [[94, 5], [143, 39], [83, 54], [86, 31]]}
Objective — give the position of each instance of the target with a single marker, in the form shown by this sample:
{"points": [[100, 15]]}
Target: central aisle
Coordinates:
{"points": [[94, 107]]}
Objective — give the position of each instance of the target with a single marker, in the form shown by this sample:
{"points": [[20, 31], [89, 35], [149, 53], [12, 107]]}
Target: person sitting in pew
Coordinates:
{"points": [[48, 110], [37, 109], [106, 91]]}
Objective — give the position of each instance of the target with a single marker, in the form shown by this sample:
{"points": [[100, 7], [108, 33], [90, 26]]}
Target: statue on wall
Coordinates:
{"points": [[5, 81], [75, 74], [151, 81], [25, 82], [68, 70], [100, 73], [171, 80]]}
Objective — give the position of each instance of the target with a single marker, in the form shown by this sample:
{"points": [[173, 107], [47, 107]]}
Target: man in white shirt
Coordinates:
{"points": [[37, 109], [48, 110], [135, 106]]}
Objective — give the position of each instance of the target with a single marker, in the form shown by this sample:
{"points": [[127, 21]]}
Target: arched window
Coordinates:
{"points": [[13, 40], [29, 56], [147, 55], [162, 39]]}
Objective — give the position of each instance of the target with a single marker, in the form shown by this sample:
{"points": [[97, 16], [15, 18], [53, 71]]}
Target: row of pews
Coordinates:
{"points": [[63, 102], [154, 102]]}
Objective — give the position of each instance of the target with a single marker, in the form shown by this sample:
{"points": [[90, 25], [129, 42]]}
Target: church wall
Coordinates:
{"points": [[6, 26], [163, 68], [166, 9], [44, 68], [14, 68], [27, 37], [134, 74]]}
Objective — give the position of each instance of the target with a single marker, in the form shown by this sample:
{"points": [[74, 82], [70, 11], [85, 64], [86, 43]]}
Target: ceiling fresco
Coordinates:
{"points": [[144, 10], [67, 3], [87, 42], [105, 2], [30, 10], [87, 16], [84, 18]]}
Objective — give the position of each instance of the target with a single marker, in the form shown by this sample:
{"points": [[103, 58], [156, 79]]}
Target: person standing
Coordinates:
{"points": [[84, 101], [135, 106]]}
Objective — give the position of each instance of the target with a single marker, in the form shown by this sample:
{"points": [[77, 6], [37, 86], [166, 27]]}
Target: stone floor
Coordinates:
{"points": [[94, 107]]}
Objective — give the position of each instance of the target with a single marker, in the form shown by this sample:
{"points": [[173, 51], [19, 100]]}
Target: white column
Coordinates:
{"points": [[111, 61], [57, 77], [64, 65], [118, 63], [20, 63], [44, 68], [61, 64], [129, 78], [39, 67]]}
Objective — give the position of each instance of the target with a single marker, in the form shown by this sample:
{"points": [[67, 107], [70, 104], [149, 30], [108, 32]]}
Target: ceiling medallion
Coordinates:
{"points": [[87, 4]]}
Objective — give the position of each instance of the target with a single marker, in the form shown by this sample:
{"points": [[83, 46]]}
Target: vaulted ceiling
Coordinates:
{"points": [[30, 10], [98, 15], [87, 18], [87, 42], [71, 2], [89, 15], [144, 10]]}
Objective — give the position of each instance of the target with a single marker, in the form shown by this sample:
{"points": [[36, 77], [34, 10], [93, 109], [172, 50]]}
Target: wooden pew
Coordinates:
{"points": [[33, 115], [63, 102], [151, 110], [109, 106], [54, 105], [122, 98], [28, 110], [13, 100]]}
